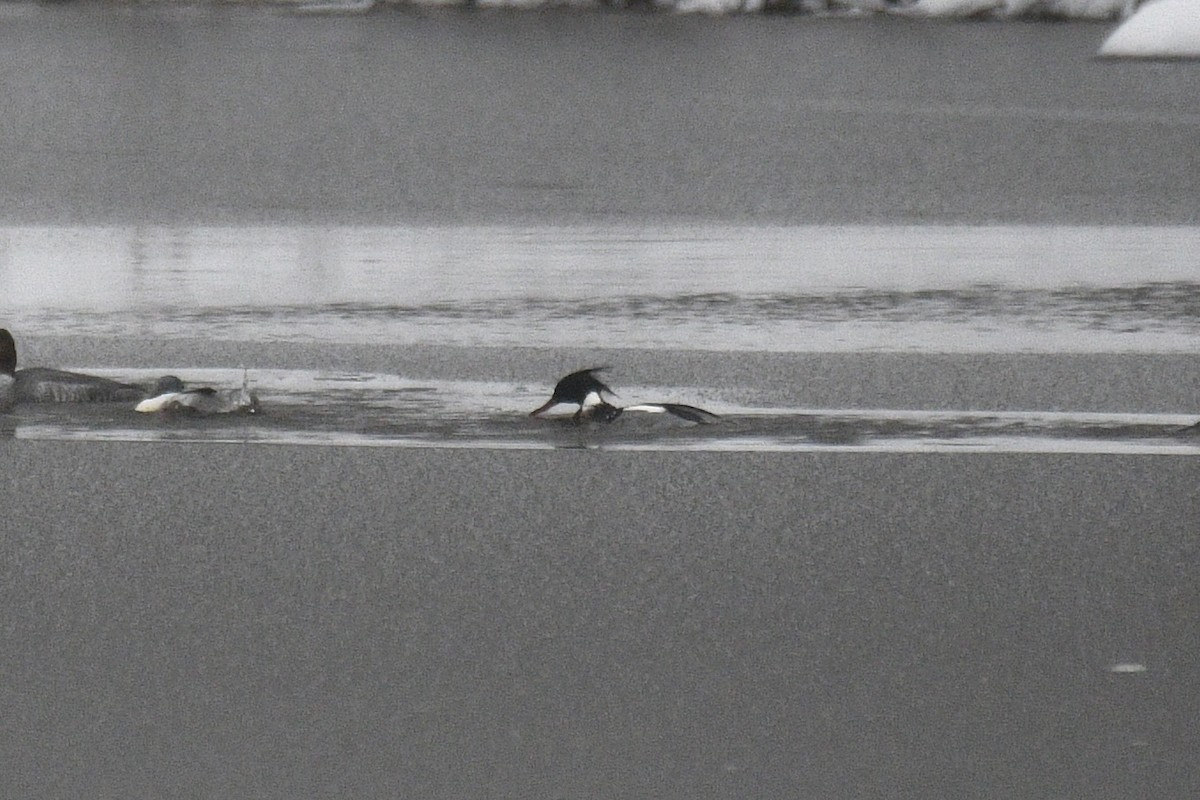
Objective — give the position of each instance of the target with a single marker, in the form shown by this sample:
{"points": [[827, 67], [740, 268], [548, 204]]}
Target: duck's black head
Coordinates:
{"points": [[8, 353], [575, 388]]}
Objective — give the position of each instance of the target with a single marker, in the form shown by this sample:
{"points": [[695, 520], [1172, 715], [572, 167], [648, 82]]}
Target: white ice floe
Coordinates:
{"points": [[1159, 29], [333, 7], [1126, 668], [950, 8], [718, 6]]}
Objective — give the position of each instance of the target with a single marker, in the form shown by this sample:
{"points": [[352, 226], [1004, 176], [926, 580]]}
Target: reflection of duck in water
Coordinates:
{"points": [[41, 385], [8, 369], [586, 390], [203, 400]]}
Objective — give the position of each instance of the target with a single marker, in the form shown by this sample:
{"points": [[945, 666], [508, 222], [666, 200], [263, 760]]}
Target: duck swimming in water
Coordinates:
{"points": [[203, 400], [588, 391], [42, 385]]}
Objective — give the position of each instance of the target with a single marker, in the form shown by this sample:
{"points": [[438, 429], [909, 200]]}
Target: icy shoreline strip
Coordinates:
{"points": [[932, 9]]}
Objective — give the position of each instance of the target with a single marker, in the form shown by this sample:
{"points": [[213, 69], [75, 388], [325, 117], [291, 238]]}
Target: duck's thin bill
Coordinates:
{"points": [[543, 408]]}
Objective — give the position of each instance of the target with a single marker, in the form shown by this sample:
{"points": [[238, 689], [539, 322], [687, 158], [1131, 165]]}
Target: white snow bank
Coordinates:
{"points": [[1159, 29]]}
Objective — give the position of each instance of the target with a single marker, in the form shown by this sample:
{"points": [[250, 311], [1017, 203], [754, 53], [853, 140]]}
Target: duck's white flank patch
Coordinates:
{"points": [[152, 404]]}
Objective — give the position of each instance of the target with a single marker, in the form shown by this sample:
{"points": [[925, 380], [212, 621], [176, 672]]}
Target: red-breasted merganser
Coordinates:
{"points": [[588, 391], [203, 400], [41, 385]]}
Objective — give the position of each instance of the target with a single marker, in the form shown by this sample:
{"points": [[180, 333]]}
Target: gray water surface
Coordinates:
{"points": [[220, 114], [848, 616]]}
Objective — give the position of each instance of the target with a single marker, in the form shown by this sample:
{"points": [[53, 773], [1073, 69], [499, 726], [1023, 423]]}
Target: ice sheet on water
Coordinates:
{"points": [[354, 409]]}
